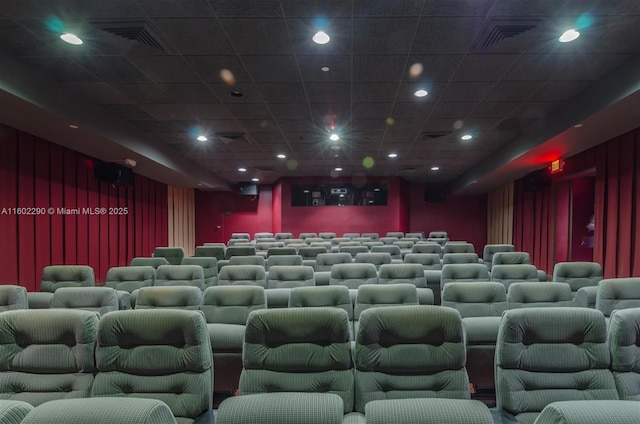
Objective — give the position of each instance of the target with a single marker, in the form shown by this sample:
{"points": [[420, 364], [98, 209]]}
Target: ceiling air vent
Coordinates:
{"points": [[498, 30], [435, 134], [230, 136], [136, 31]]}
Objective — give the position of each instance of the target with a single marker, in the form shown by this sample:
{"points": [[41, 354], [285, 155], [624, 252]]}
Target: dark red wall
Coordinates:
{"points": [[35, 173], [463, 217], [219, 214]]}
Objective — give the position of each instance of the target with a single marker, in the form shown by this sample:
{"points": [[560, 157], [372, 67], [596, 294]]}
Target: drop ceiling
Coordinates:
{"points": [[147, 81]]}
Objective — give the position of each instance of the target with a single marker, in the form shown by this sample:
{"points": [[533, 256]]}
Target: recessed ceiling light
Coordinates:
{"points": [[420, 93], [376, 189], [236, 93], [435, 168], [202, 138], [321, 37], [569, 35], [281, 156], [71, 38], [338, 169], [577, 126], [305, 191], [393, 155], [325, 69], [342, 195], [334, 137], [255, 180], [466, 137], [242, 169], [73, 126]]}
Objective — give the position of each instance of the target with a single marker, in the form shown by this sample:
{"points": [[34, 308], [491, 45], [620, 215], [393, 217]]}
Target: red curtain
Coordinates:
{"points": [[617, 214]]}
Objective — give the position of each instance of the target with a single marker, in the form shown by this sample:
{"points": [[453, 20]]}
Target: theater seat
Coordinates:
{"points": [[96, 299], [407, 274], [209, 268], [153, 262], [242, 275], [491, 249], [377, 296], [590, 411], [325, 296], [539, 295], [169, 297], [47, 354], [545, 355], [513, 273], [56, 276], [14, 411], [173, 255], [352, 276], [129, 279], [577, 274], [13, 297], [282, 279], [180, 275], [617, 293], [624, 345], [172, 363]]}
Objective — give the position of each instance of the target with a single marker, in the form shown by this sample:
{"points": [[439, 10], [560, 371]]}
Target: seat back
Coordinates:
{"points": [[169, 297], [353, 250], [427, 248], [56, 276], [232, 304], [427, 260], [459, 258], [240, 236], [304, 236], [389, 240], [310, 240], [314, 355], [130, 278], [281, 251], [47, 354], [439, 234], [491, 249], [507, 274], [173, 255], [577, 274], [395, 360], [287, 242], [180, 275], [510, 258], [288, 276], [463, 272], [372, 236], [263, 235], [415, 234], [242, 275], [13, 297], [239, 251], [311, 252], [353, 275], [322, 296], [247, 260], [375, 296], [283, 236], [210, 251], [458, 248], [624, 346], [477, 299], [391, 249], [377, 258], [350, 235], [618, 293], [275, 260], [97, 299], [402, 273], [262, 247], [544, 355], [172, 363], [209, 268], [324, 261], [397, 234], [537, 295], [152, 262], [327, 235]]}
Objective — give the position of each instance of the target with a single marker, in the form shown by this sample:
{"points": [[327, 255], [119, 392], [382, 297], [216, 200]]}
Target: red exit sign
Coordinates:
{"points": [[556, 166]]}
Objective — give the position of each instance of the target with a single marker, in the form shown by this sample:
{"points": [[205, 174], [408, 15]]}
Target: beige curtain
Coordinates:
{"points": [[500, 216], [181, 216]]}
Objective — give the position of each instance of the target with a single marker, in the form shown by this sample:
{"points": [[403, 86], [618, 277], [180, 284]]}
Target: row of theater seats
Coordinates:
{"points": [[419, 352], [435, 235]]}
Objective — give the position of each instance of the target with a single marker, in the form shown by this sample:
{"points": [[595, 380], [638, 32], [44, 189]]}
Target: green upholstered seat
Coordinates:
{"points": [[537, 295], [577, 274], [209, 268], [331, 296], [130, 278], [427, 411], [242, 275], [590, 411], [97, 299], [513, 273], [153, 262], [47, 354], [13, 411], [491, 249], [173, 255], [210, 252], [180, 275], [624, 345], [171, 297], [617, 293], [162, 354], [13, 297]]}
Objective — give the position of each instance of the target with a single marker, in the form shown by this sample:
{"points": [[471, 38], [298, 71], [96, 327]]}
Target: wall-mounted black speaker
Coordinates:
{"points": [[248, 189], [113, 173], [536, 180], [435, 195]]}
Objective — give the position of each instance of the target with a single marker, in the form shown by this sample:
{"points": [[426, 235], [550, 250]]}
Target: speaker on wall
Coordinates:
{"points": [[113, 173], [248, 189], [435, 195]]}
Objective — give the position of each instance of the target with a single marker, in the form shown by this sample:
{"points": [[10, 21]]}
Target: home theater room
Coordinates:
{"points": [[320, 212]]}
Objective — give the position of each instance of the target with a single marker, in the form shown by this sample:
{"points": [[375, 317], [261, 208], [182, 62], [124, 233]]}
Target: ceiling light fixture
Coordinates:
{"points": [[321, 37], [281, 156], [420, 93], [202, 138], [466, 137], [338, 169], [73, 126], [242, 169], [577, 126], [255, 180], [334, 137], [435, 168], [325, 69], [393, 155], [569, 35], [71, 38]]}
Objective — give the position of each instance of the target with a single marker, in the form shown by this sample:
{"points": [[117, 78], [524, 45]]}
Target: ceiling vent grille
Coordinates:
{"points": [[435, 134], [136, 31], [498, 30], [230, 136]]}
